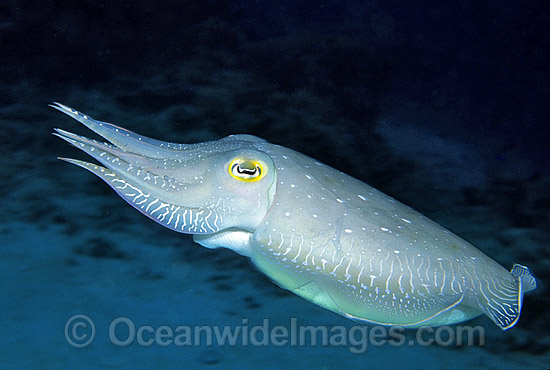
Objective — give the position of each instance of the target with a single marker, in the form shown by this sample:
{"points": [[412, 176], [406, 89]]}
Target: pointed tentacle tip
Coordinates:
{"points": [[69, 160]]}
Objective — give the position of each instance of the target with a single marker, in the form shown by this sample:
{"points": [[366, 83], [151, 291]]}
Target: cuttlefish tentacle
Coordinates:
{"points": [[313, 230]]}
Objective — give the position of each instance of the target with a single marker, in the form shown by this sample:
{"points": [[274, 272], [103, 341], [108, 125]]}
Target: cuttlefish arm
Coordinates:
{"points": [[122, 138]]}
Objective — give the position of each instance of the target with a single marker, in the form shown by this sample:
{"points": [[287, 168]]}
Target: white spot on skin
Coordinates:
{"points": [[348, 231], [287, 214]]}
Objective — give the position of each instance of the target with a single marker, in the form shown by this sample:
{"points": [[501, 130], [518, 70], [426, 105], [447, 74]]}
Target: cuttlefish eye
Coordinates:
{"points": [[247, 170]]}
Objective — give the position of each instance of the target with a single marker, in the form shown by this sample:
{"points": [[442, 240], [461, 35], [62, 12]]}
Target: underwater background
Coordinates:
{"points": [[443, 106]]}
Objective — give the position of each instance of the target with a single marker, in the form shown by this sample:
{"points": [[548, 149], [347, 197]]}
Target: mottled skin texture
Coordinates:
{"points": [[312, 229]]}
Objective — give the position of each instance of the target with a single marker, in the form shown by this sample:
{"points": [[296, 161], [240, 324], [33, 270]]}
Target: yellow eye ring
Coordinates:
{"points": [[247, 170]]}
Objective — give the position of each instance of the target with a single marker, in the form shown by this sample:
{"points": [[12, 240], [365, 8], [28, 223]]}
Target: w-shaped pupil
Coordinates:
{"points": [[247, 171]]}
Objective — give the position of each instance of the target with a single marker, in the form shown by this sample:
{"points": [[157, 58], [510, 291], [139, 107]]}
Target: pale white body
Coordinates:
{"points": [[312, 229]]}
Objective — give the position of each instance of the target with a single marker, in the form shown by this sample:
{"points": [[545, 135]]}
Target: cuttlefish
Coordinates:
{"points": [[313, 230]]}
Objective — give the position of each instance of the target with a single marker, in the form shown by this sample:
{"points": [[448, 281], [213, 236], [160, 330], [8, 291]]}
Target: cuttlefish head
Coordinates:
{"points": [[190, 188]]}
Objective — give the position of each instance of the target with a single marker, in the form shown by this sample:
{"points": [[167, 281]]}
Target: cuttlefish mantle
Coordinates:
{"points": [[313, 230]]}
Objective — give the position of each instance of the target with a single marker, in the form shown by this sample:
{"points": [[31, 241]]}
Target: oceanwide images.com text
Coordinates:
{"points": [[80, 331]]}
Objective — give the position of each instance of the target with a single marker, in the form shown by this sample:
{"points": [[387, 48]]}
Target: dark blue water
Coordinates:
{"points": [[444, 107]]}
